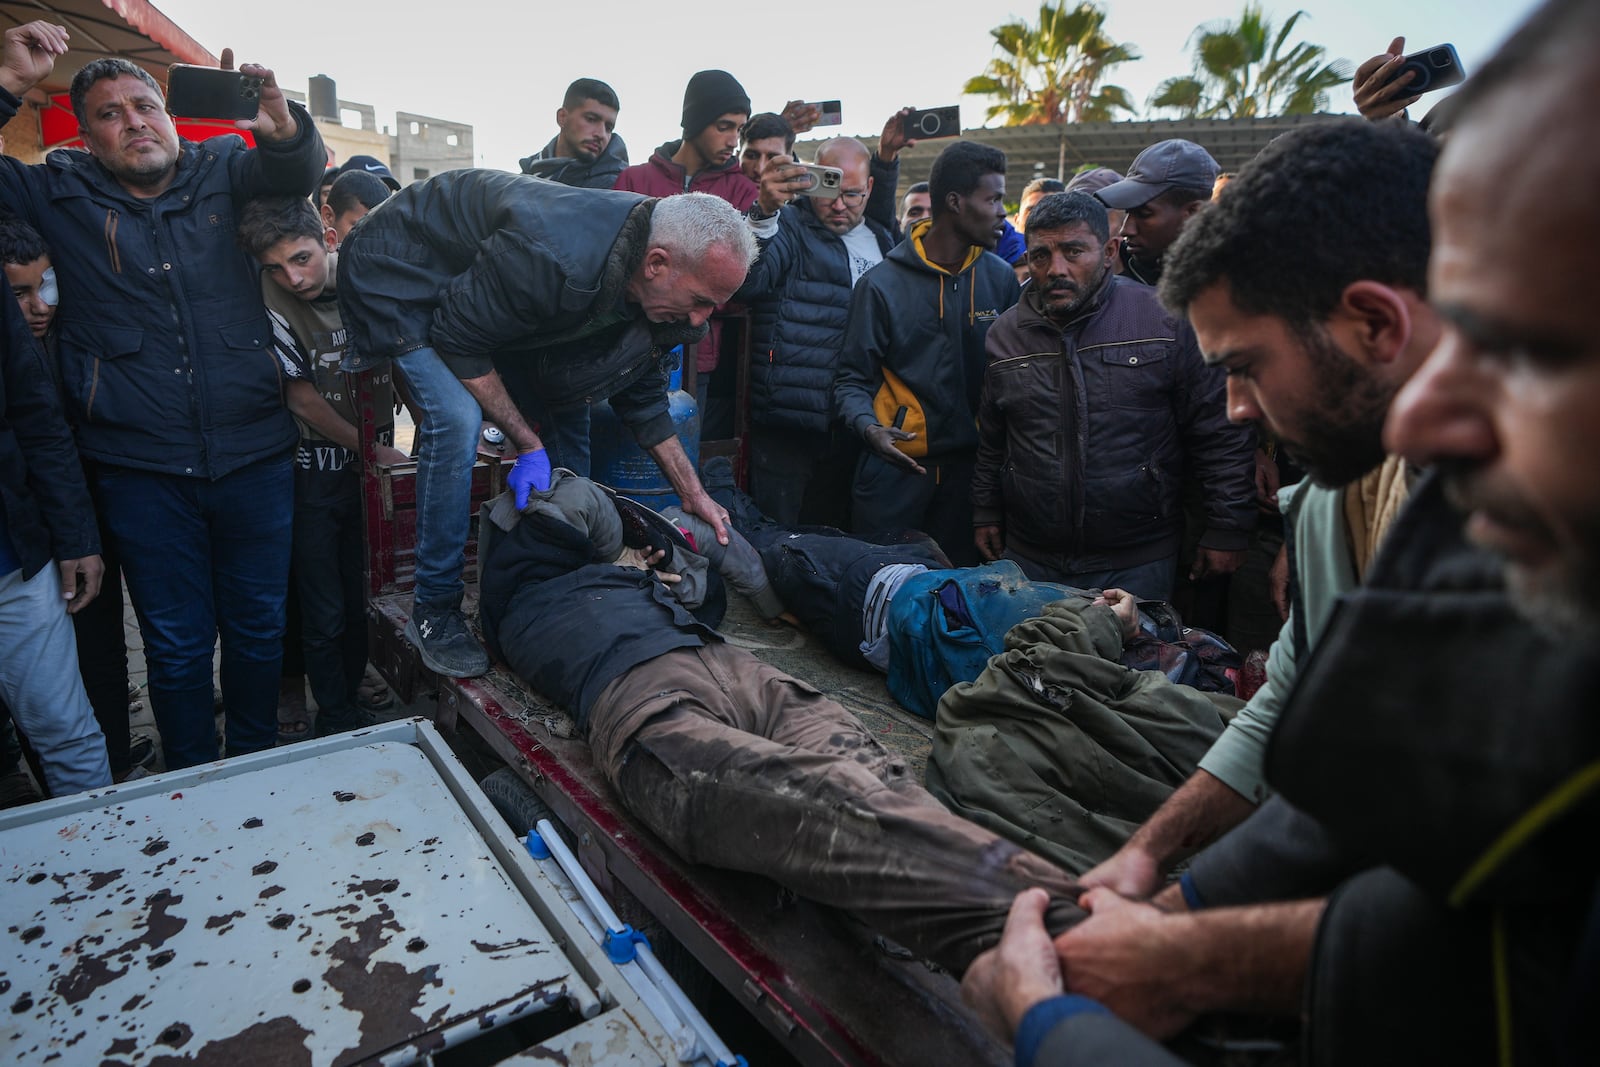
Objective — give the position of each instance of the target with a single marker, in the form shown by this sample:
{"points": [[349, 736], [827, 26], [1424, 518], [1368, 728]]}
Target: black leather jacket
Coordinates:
{"points": [[1086, 433], [491, 269]]}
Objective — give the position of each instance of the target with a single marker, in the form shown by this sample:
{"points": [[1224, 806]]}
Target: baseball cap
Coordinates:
{"points": [[373, 166], [1092, 181], [1173, 164]]}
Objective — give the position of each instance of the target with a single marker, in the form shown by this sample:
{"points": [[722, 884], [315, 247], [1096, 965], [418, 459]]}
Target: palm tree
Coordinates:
{"points": [[1242, 70], [1050, 73]]}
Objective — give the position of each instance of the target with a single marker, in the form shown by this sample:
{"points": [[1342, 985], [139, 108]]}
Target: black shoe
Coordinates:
{"points": [[446, 645], [141, 749], [357, 718]]}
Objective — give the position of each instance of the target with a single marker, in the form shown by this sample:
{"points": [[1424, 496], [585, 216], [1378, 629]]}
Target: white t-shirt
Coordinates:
{"points": [[862, 248]]}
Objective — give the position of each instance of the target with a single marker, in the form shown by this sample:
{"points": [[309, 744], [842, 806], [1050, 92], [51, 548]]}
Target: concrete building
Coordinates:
{"points": [[423, 146], [347, 128]]}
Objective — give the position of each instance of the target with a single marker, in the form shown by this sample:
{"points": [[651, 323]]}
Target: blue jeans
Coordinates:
{"points": [[565, 433], [203, 558], [564, 429], [446, 448], [39, 681]]}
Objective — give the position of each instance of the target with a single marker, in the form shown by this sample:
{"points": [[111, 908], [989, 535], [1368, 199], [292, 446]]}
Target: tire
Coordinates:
{"points": [[516, 802]]}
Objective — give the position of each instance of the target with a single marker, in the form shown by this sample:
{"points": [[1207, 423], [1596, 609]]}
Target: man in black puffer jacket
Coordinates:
{"points": [[813, 251]]}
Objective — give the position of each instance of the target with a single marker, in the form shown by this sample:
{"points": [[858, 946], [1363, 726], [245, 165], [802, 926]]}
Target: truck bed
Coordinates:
{"points": [[819, 982]]}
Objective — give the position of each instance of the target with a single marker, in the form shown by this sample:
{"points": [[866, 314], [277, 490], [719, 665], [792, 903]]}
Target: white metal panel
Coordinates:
{"points": [[341, 905]]}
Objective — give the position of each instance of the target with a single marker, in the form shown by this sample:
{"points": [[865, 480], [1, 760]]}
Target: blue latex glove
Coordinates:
{"points": [[529, 474]]}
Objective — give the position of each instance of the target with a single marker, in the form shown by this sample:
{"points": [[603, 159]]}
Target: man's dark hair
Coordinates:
{"points": [[99, 70], [959, 169], [356, 187], [1321, 207], [765, 125], [269, 219], [1057, 211], [19, 242], [1043, 185], [590, 89], [920, 187]]}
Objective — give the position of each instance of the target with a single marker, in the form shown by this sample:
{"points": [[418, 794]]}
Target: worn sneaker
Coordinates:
{"points": [[446, 645]]}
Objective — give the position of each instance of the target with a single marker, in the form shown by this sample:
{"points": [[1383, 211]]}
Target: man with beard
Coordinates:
{"points": [[1317, 337], [1314, 355], [1095, 402], [585, 152], [911, 367]]}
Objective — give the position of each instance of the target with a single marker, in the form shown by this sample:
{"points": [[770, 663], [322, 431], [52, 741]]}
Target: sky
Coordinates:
{"points": [[503, 67]]}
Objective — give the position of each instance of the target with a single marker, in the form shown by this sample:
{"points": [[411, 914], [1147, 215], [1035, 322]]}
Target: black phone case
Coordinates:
{"points": [[209, 93], [1430, 76], [927, 124]]}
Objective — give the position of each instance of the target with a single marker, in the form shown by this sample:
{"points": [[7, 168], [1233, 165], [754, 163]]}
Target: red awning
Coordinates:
{"points": [[143, 16], [58, 126]]}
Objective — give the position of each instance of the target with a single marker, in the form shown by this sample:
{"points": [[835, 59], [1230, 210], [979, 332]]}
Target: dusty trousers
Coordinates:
{"points": [[735, 764]]}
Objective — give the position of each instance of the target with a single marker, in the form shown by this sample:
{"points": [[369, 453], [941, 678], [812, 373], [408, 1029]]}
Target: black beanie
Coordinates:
{"points": [[712, 94]]}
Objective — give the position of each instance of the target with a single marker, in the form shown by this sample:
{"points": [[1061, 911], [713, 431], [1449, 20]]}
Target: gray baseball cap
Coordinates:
{"points": [[1092, 181], [1173, 164]]}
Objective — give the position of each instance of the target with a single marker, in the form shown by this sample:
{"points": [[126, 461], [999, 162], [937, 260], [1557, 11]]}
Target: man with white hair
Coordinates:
{"points": [[571, 293]]}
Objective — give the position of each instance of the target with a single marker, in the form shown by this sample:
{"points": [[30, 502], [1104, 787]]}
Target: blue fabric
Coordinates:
{"points": [[1191, 894], [1012, 246], [446, 448], [39, 682], [945, 625], [1044, 1016], [203, 558]]}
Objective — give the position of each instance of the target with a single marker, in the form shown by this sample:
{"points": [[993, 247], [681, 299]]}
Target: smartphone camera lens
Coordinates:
{"points": [[1439, 57]]}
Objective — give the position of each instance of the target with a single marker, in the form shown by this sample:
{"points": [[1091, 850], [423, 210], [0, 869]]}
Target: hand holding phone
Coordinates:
{"points": [[212, 93], [926, 123], [1430, 69], [822, 183], [269, 117], [829, 111]]}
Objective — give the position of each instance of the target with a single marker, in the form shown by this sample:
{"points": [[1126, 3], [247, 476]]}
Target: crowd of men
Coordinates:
{"points": [[1106, 391]]}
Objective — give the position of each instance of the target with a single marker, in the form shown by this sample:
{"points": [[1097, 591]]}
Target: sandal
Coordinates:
{"points": [[373, 693], [294, 723]]}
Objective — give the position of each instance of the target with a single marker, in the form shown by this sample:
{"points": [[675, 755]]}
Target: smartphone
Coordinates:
{"points": [[826, 182], [211, 93], [922, 124], [1434, 68], [832, 114]]}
